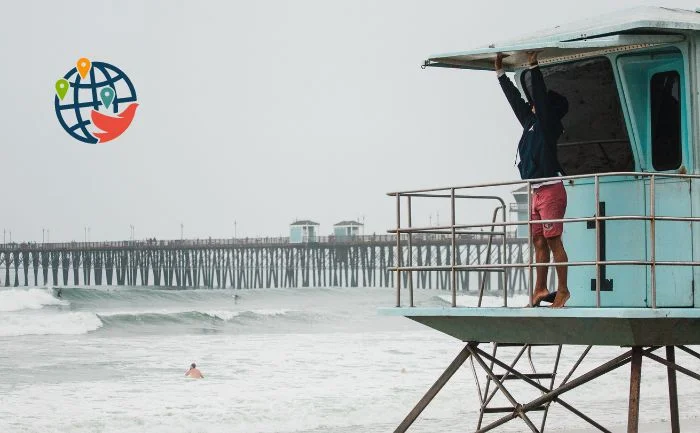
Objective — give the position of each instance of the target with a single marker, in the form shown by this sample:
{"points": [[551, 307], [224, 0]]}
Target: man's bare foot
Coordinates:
{"points": [[538, 296], [562, 297]]}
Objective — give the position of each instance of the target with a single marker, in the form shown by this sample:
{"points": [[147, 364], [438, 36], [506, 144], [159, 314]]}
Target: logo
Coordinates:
{"points": [[95, 102]]}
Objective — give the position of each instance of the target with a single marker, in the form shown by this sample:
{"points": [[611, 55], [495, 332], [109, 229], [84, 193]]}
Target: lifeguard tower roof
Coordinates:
{"points": [[627, 29]]}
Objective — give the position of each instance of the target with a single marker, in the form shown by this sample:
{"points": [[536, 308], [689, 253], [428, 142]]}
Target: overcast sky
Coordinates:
{"points": [[258, 112]]}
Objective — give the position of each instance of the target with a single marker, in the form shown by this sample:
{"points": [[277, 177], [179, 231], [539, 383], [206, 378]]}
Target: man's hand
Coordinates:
{"points": [[499, 61], [532, 57]]}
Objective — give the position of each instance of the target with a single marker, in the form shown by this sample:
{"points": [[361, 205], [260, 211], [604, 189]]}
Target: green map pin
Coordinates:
{"points": [[62, 87], [107, 96]]}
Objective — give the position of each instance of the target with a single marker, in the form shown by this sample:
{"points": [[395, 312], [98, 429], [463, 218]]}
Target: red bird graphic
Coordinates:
{"points": [[113, 126]]}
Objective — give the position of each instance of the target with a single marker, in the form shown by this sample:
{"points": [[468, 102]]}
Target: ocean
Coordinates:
{"points": [[307, 360]]}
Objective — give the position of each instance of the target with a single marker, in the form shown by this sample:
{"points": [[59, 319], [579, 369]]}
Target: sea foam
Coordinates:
{"points": [[29, 299], [14, 324]]}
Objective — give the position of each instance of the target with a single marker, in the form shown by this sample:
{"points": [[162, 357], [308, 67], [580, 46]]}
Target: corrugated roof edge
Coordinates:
{"points": [[347, 223], [644, 17], [304, 223]]}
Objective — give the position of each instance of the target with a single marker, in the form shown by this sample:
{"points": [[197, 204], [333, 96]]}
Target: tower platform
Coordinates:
{"points": [[586, 326]]}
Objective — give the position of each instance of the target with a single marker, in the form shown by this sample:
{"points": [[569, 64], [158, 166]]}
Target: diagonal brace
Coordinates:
{"points": [[555, 393], [607, 367], [689, 351], [517, 407], [437, 386], [673, 365]]}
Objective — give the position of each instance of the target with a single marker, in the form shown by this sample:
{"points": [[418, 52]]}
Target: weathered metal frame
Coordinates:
{"points": [[632, 356], [453, 229]]}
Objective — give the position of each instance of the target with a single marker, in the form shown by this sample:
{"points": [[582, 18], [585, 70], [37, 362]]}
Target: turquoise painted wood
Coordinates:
{"points": [[624, 240], [695, 206], [673, 239], [674, 284], [295, 235]]}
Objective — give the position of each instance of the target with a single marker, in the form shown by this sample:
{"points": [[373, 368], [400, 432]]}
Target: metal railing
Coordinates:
{"points": [[455, 229]]}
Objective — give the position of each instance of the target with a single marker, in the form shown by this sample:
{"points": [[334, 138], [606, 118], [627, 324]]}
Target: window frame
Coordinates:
{"points": [[678, 161], [617, 94], [663, 59]]}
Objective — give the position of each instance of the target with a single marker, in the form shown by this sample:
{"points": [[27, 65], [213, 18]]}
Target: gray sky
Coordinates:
{"points": [[258, 112]]}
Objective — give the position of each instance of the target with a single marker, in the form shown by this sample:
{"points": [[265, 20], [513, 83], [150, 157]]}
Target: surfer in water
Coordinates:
{"points": [[194, 373]]}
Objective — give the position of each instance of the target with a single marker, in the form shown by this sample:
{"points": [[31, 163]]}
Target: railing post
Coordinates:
{"points": [[597, 240], [410, 255], [398, 250], [652, 221], [529, 242], [505, 258], [453, 281]]}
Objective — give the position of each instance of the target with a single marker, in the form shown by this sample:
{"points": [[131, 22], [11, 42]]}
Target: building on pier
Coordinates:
{"points": [[346, 229], [521, 210], [303, 231]]}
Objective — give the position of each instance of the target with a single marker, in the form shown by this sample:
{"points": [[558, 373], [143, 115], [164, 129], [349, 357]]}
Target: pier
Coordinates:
{"points": [[358, 261]]}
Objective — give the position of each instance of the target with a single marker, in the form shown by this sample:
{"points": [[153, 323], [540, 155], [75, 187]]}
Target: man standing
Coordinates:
{"points": [[537, 154]]}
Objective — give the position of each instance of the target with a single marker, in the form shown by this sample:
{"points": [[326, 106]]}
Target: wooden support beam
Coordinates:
{"points": [[672, 389], [635, 381]]}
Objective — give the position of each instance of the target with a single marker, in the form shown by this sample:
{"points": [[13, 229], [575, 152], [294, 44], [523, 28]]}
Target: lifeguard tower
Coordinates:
{"points": [[631, 152]]}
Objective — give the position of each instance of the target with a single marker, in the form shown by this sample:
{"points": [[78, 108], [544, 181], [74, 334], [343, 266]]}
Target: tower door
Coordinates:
{"points": [[667, 152], [673, 243], [656, 97]]}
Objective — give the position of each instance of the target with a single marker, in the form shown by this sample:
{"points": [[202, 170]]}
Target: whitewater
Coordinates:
{"points": [[311, 360]]}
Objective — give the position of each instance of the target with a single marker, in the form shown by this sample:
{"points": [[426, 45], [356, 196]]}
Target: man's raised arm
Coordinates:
{"points": [[520, 107], [536, 89]]}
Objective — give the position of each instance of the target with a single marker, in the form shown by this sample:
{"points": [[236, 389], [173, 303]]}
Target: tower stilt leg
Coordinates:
{"points": [[672, 389], [635, 379]]}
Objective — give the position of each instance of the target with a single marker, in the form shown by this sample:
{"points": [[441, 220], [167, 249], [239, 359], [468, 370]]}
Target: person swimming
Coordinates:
{"points": [[194, 373]]}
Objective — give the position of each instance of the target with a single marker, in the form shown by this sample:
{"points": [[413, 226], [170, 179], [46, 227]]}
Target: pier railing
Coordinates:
{"points": [[405, 233], [233, 242], [194, 243]]}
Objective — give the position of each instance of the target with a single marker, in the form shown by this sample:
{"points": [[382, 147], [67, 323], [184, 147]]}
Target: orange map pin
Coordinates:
{"points": [[83, 66]]}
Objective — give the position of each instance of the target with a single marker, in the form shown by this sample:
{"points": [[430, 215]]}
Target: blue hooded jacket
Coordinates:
{"points": [[541, 130]]}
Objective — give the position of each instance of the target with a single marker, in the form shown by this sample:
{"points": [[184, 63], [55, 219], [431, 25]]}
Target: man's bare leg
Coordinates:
{"points": [[559, 253], [541, 256]]}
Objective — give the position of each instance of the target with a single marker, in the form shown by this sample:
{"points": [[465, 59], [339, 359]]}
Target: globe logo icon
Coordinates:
{"points": [[95, 102]]}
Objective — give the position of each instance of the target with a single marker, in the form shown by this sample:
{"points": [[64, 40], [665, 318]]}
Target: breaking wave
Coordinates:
{"points": [[76, 310], [27, 299], [16, 324], [135, 318]]}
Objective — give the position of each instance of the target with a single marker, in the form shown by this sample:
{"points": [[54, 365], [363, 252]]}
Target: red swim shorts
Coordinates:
{"points": [[548, 203]]}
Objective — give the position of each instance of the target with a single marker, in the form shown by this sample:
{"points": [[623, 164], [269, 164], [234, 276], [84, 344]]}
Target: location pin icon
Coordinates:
{"points": [[83, 66], [107, 96], [62, 86]]}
